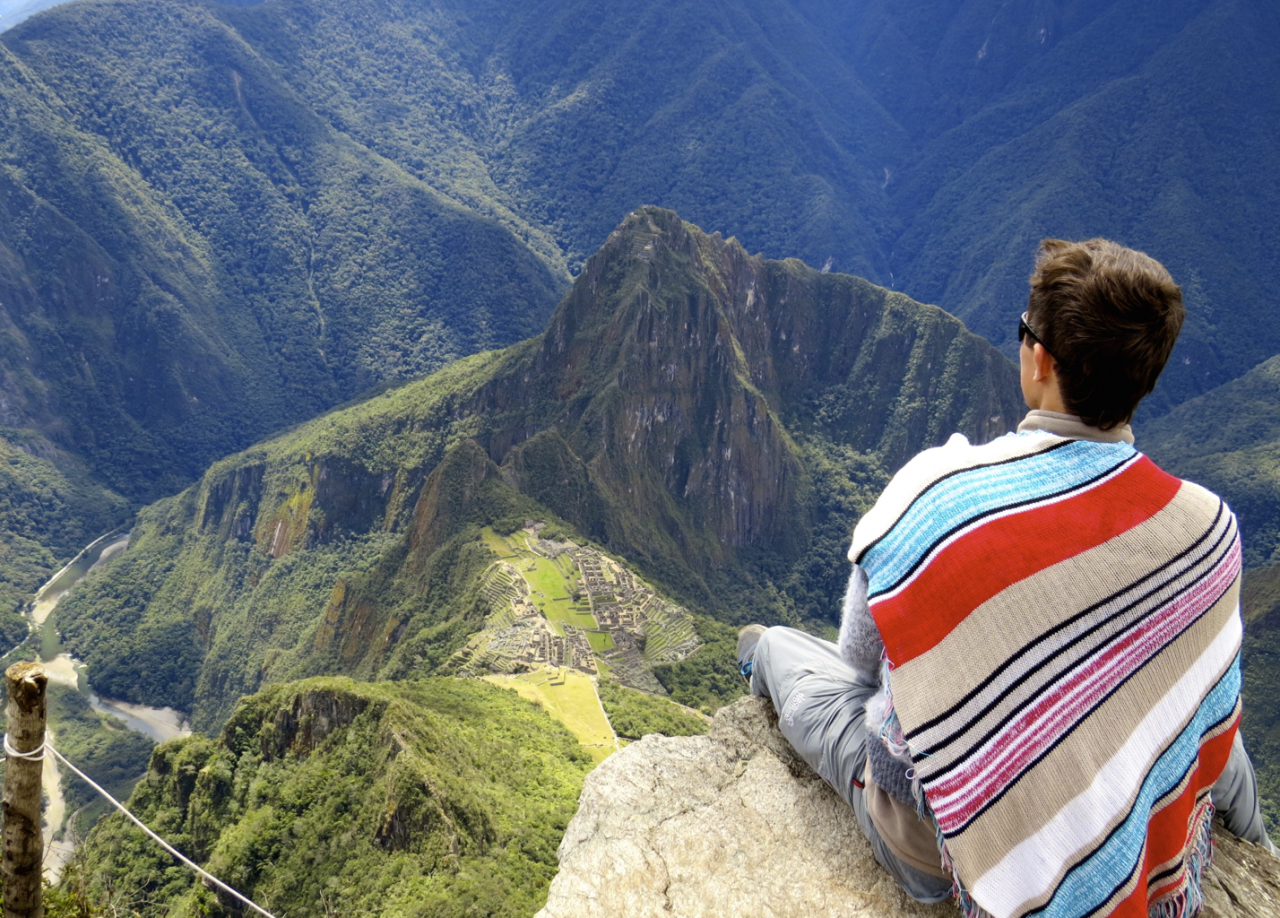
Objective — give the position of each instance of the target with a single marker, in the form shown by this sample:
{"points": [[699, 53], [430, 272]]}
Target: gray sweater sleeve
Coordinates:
{"points": [[860, 643], [861, 647]]}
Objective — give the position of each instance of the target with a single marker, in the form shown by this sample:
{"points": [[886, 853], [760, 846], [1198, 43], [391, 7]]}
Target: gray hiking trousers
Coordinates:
{"points": [[821, 704]]}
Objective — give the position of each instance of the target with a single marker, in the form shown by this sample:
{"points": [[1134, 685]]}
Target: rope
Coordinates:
{"points": [[35, 755], [38, 755]]}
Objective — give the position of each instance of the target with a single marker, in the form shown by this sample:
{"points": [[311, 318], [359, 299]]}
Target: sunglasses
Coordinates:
{"points": [[1024, 329]]}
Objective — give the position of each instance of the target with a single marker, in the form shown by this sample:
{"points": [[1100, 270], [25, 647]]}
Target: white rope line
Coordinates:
{"points": [[35, 755], [38, 754]]}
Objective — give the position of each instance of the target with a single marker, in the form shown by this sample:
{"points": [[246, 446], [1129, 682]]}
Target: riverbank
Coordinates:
{"points": [[97, 551], [159, 724]]}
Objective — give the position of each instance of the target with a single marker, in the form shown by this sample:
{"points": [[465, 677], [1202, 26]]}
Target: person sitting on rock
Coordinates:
{"points": [[1034, 701]]}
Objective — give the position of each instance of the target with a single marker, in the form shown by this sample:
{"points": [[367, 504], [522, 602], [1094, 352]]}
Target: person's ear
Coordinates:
{"points": [[1044, 364]]}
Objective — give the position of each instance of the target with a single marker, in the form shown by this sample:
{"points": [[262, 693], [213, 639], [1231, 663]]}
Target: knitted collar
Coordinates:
{"points": [[1071, 427]]}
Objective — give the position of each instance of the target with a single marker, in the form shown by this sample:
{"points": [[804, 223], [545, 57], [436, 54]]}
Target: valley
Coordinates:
{"points": [[453, 379], [62, 828], [559, 683]]}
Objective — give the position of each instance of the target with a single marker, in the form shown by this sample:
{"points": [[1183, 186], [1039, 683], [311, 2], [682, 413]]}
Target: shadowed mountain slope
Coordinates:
{"points": [[1117, 118], [928, 147], [718, 419], [1229, 441], [216, 220], [191, 258]]}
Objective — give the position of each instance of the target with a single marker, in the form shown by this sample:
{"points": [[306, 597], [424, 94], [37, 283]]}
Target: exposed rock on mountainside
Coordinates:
{"points": [[679, 369], [718, 419], [735, 824]]}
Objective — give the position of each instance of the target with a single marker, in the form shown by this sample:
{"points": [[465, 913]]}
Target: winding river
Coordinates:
{"points": [[159, 723]]}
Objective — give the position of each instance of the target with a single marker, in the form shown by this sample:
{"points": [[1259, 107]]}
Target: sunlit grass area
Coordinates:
{"points": [[552, 582], [601, 641], [570, 698], [503, 546]]}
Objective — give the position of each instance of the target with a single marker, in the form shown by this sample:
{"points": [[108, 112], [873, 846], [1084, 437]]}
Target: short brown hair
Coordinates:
{"points": [[1109, 316]]}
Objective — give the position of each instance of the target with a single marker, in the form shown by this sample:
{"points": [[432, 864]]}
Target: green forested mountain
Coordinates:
{"points": [[439, 797], [191, 258], [1229, 441], [221, 219], [217, 220], [717, 419], [1126, 119], [50, 508]]}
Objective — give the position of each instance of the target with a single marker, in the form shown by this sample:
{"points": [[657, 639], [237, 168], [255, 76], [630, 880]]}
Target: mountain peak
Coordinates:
{"points": [[717, 419], [679, 370]]}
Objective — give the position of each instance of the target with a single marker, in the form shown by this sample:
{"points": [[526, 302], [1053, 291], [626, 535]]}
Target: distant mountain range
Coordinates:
{"points": [[220, 220], [716, 419], [334, 229], [271, 208]]}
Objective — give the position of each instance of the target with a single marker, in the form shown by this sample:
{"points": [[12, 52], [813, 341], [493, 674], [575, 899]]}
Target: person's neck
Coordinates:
{"points": [[1065, 424], [1050, 400]]}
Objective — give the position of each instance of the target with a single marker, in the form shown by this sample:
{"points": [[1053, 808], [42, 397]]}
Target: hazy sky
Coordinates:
{"points": [[13, 12]]}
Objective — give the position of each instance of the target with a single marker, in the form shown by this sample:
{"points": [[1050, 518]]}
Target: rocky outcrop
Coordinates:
{"points": [[298, 725], [679, 372], [734, 823]]}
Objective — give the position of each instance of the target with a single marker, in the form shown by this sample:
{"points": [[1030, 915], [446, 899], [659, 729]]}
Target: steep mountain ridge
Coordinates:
{"points": [[718, 419], [678, 354], [435, 797], [222, 219]]}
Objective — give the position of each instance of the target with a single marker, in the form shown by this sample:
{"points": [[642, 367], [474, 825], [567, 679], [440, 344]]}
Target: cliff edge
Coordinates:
{"points": [[735, 823]]}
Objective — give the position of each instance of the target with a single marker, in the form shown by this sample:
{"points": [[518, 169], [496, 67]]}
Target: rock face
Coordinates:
{"points": [[716, 418], [735, 823], [681, 369]]}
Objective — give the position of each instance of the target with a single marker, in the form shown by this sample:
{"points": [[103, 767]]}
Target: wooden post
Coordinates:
{"points": [[21, 868]]}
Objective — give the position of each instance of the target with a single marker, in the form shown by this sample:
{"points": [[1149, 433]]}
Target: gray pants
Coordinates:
{"points": [[1235, 796], [821, 705]]}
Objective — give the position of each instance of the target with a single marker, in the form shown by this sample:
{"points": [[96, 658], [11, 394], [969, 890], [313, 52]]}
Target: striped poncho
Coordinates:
{"points": [[1061, 623]]}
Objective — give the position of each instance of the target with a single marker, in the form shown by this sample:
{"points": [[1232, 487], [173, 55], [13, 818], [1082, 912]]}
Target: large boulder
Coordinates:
{"points": [[735, 824]]}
